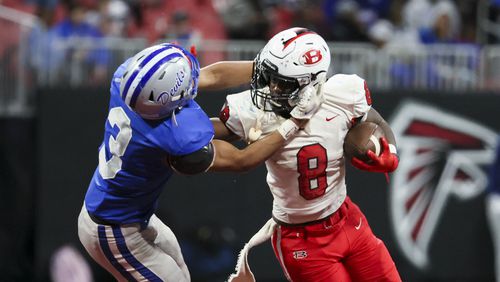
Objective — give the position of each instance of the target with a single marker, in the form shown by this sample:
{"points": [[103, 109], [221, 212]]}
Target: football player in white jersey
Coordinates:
{"points": [[318, 234]]}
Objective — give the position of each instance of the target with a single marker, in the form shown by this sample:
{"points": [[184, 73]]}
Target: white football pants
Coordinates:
{"points": [[130, 254], [493, 215]]}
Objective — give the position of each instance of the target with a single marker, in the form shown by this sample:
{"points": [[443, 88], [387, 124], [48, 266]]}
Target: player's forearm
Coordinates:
{"points": [[226, 74], [229, 158], [375, 117], [232, 159]]}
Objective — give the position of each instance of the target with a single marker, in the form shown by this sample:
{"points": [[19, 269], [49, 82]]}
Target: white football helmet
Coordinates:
{"points": [[292, 59], [159, 80]]}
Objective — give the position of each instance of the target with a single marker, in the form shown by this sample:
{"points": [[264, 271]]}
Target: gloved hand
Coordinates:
{"points": [[385, 162], [309, 102]]}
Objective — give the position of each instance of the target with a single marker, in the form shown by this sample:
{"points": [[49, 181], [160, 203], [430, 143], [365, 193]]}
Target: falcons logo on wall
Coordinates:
{"points": [[442, 155]]}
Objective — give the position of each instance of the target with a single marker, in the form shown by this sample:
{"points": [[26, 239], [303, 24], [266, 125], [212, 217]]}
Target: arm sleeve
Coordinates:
{"points": [[196, 162]]}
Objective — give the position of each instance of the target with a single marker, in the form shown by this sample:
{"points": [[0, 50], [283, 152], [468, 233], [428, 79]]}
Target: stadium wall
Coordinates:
{"points": [[221, 211]]}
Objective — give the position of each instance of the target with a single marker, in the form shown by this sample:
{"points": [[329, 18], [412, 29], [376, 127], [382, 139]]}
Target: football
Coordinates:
{"points": [[361, 138]]}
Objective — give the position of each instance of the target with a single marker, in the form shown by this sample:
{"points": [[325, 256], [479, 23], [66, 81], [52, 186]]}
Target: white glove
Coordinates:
{"points": [[309, 102]]}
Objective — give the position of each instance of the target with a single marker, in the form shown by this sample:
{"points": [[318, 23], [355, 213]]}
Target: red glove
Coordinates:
{"points": [[386, 162]]}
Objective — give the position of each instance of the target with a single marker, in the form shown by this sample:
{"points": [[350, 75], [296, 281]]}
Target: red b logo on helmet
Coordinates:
{"points": [[311, 57]]}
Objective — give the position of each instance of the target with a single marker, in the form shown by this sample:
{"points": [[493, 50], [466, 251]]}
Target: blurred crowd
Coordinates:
{"points": [[377, 21], [399, 24]]}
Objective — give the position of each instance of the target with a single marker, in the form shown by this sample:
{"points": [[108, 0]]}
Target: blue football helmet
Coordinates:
{"points": [[159, 80]]}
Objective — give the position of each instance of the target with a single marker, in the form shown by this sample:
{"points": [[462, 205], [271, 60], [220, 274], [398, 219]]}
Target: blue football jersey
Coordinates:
{"points": [[132, 169]]}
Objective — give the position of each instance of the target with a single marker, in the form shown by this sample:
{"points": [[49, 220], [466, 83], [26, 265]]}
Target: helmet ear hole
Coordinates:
{"points": [[314, 76], [162, 75], [151, 96]]}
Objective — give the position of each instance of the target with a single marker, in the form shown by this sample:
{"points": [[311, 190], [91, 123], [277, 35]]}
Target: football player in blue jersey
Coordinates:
{"points": [[154, 128]]}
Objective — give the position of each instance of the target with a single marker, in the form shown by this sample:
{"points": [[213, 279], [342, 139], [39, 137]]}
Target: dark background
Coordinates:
{"points": [[46, 163]]}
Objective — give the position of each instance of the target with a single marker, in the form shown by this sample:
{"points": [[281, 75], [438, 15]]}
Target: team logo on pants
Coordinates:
{"points": [[442, 156], [299, 254]]}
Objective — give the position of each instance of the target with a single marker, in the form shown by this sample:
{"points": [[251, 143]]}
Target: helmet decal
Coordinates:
{"points": [[300, 32], [164, 97], [148, 75], [311, 57]]}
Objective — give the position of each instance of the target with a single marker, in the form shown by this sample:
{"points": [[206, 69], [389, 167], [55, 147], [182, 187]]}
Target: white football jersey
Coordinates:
{"points": [[307, 175]]}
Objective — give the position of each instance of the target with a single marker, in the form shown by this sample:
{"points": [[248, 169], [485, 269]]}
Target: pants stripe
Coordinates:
{"points": [[122, 246], [103, 242]]}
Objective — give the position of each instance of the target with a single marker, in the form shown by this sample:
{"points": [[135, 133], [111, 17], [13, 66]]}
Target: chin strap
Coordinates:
{"points": [[174, 119]]}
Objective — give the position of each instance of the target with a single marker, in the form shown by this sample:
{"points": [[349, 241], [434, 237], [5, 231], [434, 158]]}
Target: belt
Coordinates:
{"points": [[304, 223], [143, 225], [334, 217], [100, 221]]}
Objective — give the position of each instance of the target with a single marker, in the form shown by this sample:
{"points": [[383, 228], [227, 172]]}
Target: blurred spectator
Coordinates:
{"points": [[349, 19], [112, 18], [403, 43], [381, 33], [309, 14], [182, 31], [39, 55], [202, 17], [416, 14], [279, 16], [76, 42], [489, 21], [47, 4], [153, 20], [342, 16], [444, 24], [243, 19], [468, 14], [116, 19]]}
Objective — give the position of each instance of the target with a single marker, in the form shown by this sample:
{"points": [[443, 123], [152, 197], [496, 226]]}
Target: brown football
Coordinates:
{"points": [[361, 138]]}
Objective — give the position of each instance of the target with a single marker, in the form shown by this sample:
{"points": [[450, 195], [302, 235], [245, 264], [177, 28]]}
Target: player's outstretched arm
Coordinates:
{"points": [[230, 158], [225, 74], [220, 155]]}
